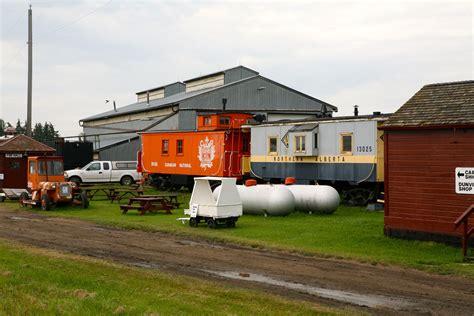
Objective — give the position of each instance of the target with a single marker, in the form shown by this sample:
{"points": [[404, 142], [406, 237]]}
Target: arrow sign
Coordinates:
{"points": [[464, 180]]}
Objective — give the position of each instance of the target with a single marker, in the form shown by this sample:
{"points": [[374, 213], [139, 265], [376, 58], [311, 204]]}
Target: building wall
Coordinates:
{"points": [[420, 179], [124, 151]]}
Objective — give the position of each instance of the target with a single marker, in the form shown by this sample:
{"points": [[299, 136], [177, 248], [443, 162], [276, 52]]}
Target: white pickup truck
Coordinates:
{"points": [[124, 172]]}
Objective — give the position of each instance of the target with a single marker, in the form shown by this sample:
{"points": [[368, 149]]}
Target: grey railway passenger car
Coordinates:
{"points": [[342, 151]]}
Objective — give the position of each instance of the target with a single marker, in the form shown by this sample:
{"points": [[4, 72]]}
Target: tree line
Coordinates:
{"points": [[44, 133]]}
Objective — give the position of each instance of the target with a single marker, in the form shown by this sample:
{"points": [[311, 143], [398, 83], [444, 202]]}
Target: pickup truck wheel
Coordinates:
{"points": [[126, 180], [45, 202], [76, 180]]}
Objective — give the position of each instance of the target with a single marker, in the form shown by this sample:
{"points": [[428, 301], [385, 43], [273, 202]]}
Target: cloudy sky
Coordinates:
{"points": [[372, 53]]}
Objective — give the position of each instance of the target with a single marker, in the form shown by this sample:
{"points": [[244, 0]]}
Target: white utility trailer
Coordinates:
{"points": [[224, 210]]}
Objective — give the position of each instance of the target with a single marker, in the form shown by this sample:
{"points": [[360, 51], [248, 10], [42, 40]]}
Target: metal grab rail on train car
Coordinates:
{"points": [[464, 219]]}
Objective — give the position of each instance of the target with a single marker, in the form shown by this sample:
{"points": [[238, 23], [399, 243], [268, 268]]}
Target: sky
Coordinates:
{"points": [[375, 54]]}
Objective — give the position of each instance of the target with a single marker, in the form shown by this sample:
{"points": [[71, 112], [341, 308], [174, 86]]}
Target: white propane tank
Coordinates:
{"points": [[275, 200], [321, 199]]}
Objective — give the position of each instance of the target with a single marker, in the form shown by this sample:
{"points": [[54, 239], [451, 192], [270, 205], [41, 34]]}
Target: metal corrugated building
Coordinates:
{"points": [[425, 140], [176, 106]]}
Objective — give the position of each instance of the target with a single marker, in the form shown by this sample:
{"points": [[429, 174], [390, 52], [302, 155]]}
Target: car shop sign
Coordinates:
{"points": [[464, 180]]}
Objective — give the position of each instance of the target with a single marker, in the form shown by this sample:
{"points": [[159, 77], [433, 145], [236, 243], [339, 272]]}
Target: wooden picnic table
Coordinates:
{"points": [[111, 194], [150, 203]]}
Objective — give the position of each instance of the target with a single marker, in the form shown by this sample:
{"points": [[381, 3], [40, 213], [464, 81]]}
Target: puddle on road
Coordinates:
{"points": [[348, 297], [18, 218]]}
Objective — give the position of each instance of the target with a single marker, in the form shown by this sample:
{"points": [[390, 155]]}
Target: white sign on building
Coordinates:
{"points": [[464, 180]]}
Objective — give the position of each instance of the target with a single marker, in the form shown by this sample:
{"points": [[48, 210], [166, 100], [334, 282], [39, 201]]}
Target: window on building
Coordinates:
{"points": [[164, 147], [224, 120], [300, 144], [207, 120], [179, 146], [346, 143], [14, 165], [272, 145], [315, 140]]}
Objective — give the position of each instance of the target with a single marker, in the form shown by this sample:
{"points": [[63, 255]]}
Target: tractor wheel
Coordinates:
{"points": [[126, 180], [83, 199], [76, 180], [23, 197], [45, 202], [211, 223]]}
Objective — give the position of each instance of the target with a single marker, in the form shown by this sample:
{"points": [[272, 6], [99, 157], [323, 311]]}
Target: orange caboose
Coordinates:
{"points": [[219, 147]]}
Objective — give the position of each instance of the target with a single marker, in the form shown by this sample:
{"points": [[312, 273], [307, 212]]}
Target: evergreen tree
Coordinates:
{"points": [[20, 129], [38, 132], [2, 127]]}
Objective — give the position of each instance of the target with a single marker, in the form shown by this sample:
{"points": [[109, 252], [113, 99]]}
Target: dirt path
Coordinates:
{"points": [[376, 289]]}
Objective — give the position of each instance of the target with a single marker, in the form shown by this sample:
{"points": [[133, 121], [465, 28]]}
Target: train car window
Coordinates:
{"points": [[346, 143], [179, 146], [224, 120], [300, 144], [315, 140], [272, 145], [164, 147], [245, 144], [207, 120]]}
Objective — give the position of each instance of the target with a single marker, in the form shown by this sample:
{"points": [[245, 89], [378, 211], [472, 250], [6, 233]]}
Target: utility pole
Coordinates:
{"points": [[30, 72]]}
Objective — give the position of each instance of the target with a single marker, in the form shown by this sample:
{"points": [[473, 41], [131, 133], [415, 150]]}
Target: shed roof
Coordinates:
{"points": [[437, 105], [23, 143]]}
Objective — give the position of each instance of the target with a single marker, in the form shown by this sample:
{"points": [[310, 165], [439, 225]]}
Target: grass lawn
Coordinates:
{"points": [[351, 233], [40, 282]]}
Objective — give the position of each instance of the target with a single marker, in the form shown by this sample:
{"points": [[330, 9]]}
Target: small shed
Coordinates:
{"points": [[429, 142], [14, 152]]}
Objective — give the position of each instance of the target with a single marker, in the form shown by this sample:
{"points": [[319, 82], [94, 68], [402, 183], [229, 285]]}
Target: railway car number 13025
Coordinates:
{"points": [[364, 149]]}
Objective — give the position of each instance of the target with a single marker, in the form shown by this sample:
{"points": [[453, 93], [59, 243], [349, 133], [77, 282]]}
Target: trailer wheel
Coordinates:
{"points": [[23, 197], [45, 202], [193, 222], [211, 223], [83, 199]]}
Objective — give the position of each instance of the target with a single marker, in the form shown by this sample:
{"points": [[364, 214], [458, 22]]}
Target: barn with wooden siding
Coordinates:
{"points": [[14, 152], [430, 136]]}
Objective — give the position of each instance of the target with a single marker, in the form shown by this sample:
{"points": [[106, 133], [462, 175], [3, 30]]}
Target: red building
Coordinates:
{"points": [[14, 152], [430, 136]]}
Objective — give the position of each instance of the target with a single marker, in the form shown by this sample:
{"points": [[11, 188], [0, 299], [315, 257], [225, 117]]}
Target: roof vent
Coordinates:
{"points": [[356, 110]]}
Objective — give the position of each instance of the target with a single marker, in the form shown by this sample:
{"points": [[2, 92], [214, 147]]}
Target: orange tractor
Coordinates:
{"points": [[48, 187]]}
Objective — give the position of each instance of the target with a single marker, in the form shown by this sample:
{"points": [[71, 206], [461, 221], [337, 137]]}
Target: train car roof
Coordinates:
{"points": [[311, 123]]}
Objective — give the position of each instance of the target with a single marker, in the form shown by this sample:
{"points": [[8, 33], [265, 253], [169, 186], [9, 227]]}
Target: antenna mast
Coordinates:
{"points": [[30, 71]]}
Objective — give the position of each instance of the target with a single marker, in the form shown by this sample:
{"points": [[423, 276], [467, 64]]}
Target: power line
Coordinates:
{"points": [[78, 19]]}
